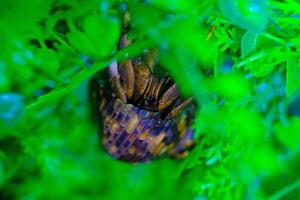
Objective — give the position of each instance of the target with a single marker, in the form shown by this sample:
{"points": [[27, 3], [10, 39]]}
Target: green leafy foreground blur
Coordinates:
{"points": [[239, 59]]}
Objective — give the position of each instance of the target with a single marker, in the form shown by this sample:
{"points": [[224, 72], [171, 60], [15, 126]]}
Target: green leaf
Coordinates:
{"points": [[289, 134], [292, 76], [262, 159], [232, 86], [103, 32], [81, 42], [250, 15], [248, 43], [241, 123], [50, 62], [285, 190], [75, 82], [99, 37], [182, 5], [2, 175], [263, 62], [4, 82]]}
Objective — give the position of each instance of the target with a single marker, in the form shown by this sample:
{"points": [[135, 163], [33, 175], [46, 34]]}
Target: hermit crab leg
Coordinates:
{"points": [[175, 111], [142, 77], [115, 78], [126, 69], [127, 76], [168, 97], [159, 87]]}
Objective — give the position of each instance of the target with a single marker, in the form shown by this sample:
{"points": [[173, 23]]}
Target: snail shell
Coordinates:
{"points": [[132, 134]]}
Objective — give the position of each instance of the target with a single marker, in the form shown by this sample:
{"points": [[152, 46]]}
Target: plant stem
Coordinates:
{"points": [[284, 191]]}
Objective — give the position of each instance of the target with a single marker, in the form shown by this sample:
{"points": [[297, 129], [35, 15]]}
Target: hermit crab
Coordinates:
{"points": [[143, 116]]}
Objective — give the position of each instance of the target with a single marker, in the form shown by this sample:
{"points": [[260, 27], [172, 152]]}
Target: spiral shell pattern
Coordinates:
{"points": [[135, 135]]}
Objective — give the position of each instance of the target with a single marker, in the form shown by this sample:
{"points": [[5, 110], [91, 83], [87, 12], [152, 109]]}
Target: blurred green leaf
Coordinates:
{"points": [[11, 107], [49, 61], [288, 134], [174, 5], [292, 76], [2, 174], [227, 37], [76, 80], [103, 31], [283, 193], [247, 141], [248, 14], [263, 62], [262, 160], [4, 83], [99, 37], [81, 42], [250, 126], [182, 5], [248, 43], [231, 86]]}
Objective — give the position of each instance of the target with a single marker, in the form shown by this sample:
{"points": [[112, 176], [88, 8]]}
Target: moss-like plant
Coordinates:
{"points": [[239, 59]]}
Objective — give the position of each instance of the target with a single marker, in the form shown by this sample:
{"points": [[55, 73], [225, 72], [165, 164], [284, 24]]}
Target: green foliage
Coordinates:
{"points": [[248, 43], [288, 134], [239, 60], [250, 15], [292, 72], [94, 41]]}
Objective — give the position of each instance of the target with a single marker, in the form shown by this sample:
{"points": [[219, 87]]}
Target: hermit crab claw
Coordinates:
{"points": [[168, 97], [142, 79], [115, 79], [127, 77], [177, 110]]}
